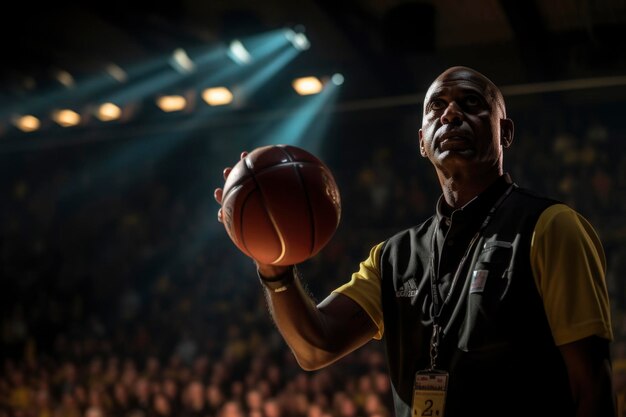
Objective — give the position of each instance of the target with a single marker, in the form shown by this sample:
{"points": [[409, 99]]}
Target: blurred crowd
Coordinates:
{"points": [[246, 371], [122, 296]]}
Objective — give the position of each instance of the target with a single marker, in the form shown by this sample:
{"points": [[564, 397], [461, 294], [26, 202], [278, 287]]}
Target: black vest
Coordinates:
{"points": [[497, 344]]}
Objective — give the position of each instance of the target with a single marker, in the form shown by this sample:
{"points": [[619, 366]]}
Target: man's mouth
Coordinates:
{"points": [[455, 143]]}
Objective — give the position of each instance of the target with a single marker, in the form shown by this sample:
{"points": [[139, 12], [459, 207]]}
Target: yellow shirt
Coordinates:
{"points": [[568, 264]]}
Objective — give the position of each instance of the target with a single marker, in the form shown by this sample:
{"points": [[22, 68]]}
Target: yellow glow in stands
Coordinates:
{"points": [[108, 111], [307, 85], [171, 103], [66, 118], [27, 123], [217, 96]]}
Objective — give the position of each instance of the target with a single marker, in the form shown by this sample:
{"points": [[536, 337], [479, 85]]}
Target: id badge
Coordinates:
{"points": [[429, 393]]}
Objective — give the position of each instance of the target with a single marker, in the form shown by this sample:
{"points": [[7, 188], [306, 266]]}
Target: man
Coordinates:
{"points": [[495, 306]]}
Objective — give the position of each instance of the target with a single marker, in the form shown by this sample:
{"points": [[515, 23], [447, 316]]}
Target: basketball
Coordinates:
{"points": [[280, 205]]}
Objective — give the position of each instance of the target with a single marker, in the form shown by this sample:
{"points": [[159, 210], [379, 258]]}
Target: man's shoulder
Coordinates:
{"points": [[409, 244], [412, 232], [533, 196], [524, 206]]}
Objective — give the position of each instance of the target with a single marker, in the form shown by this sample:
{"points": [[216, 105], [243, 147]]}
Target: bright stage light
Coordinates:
{"points": [[337, 79], [171, 103], [307, 121], [66, 117], [116, 72], [238, 53], [64, 78], [27, 123], [108, 111], [181, 62], [298, 39], [217, 96], [307, 85]]}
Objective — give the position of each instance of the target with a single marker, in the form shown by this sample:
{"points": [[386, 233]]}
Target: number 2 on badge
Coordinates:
{"points": [[429, 394], [424, 406]]}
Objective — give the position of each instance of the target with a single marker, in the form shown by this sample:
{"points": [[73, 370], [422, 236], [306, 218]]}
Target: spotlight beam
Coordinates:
{"points": [[298, 124], [252, 84], [146, 88]]}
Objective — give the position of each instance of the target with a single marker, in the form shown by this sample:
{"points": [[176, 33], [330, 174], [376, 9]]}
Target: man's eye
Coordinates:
{"points": [[437, 105], [472, 100]]}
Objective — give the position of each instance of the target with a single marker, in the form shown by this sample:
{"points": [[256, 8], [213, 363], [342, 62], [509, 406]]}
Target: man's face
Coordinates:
{"points": [[461, 123]]}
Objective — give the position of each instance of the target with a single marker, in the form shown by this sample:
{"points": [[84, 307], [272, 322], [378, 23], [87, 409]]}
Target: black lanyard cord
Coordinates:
{"points": [[438, 304]]}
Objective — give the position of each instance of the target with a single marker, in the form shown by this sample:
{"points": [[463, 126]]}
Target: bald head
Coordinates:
{"points": [[460, 73]]}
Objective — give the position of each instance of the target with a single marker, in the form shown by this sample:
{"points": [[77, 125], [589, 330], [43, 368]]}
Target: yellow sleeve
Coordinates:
{"points": [[364, 288], [569, 266]]}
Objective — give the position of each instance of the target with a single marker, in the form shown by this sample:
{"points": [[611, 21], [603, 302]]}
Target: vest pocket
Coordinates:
{"points": [[494, 258], [488, 286]]}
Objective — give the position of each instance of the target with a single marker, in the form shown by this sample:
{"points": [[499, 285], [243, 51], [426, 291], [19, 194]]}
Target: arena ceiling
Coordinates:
{"points": [[389, 46]]}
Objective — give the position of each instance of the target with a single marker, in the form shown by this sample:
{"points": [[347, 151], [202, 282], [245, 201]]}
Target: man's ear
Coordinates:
{"points": [[421, 143], [507, 129]]}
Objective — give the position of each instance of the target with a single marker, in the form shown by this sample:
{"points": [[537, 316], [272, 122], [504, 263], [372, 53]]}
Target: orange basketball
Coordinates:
{"points": [[280, 205]]}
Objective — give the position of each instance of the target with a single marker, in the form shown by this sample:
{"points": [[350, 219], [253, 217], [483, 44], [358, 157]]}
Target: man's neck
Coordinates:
{"points": [[459, 190]]}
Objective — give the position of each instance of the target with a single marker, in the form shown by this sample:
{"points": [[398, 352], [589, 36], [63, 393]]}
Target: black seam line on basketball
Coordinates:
{"points": [[268, 169], [248, 165], [308, 199], [243, 204]]}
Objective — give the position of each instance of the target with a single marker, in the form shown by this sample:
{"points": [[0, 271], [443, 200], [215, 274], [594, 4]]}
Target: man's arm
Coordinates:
{"points": [[318, 335], [589, 367], [569, 267]]}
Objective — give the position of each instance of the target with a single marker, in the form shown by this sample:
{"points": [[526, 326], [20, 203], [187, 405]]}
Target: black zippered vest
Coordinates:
{"points": [[497, 344]]}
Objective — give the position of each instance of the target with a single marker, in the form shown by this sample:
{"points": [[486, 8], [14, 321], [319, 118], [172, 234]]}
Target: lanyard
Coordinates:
{"points": [[438, 303]]}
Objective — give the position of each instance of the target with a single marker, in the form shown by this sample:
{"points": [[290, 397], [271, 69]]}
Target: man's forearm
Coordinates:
{"points": [[298, 319], [317, 334]]}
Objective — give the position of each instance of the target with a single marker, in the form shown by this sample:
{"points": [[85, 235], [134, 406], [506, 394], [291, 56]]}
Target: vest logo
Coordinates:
{"points": [[408, 289], [479, 280]]}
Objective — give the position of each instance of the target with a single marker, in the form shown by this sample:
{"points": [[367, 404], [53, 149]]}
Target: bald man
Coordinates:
{"points": [[496, 305]]}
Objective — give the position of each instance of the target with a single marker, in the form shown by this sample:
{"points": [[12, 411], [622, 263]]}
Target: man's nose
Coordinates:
{"points": [[452, 114]]}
